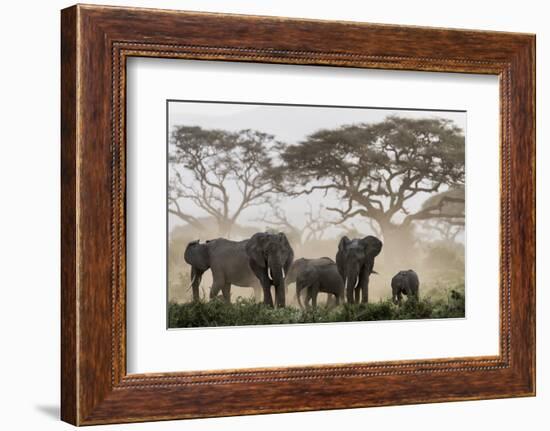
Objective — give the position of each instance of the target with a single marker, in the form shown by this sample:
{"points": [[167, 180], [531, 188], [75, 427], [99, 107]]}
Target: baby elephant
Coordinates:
{"points": [[404, 283], [314, 276]]}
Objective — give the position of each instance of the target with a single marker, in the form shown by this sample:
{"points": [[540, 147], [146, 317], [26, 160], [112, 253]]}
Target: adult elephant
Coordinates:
{"points": [[355, 261], [317, 275], [228, 262], [404, 283], [270, 256]]}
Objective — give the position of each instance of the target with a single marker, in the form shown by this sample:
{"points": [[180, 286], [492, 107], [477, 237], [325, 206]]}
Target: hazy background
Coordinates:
{"points": [[438, 255]]}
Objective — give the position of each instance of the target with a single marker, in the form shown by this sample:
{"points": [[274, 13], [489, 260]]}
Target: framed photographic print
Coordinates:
{"points": [[290, 192], [286, 207]]}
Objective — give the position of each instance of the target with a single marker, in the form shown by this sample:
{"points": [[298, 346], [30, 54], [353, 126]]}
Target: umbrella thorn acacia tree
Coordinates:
{"points": [[221, 173], [382, 171]]}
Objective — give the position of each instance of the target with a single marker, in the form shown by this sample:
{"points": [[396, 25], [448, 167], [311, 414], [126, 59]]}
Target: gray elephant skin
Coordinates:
{"points": [[270, 256], [258, 262], [314, 276], [404, 283], [229, 264], [355, 262]]}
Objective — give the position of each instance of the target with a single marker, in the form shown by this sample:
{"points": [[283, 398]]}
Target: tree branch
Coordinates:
{"points": [[428, 213]]}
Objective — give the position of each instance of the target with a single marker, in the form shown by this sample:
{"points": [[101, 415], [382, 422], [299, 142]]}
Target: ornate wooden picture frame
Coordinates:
{"points": [[96, 41]]}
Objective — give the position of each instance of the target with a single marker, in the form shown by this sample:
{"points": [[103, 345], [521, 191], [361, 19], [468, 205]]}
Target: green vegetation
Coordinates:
{"points": [[248, 312]]}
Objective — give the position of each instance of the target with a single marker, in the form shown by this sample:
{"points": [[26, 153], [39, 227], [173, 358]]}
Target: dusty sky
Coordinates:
{"points": [[290, 124]]}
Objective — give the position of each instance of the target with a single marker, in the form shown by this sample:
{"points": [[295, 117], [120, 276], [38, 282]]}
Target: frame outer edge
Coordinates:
{"points": [[533, 53], [532, 83], [87, 397], [523, 216], [69, 201]]}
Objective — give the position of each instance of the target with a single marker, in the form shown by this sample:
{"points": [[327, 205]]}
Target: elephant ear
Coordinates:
{"points": [[196, 255], [290, 253], [341, 255], [255, 248], [343, 244], [372, 245]]}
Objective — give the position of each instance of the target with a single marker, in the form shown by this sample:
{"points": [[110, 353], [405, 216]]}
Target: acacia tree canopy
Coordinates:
{"points": [[205, 162], [451, 201], [378, 168]]}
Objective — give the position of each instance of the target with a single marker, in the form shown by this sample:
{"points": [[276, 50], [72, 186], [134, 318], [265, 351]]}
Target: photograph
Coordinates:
{"points": [[285, 214]]}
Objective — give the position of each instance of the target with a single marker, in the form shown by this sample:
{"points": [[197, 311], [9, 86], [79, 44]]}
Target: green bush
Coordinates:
{"points": [[248, 312]]}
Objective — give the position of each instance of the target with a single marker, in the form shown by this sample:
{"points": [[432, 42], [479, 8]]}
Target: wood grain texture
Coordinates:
{"points": [[96, 41], [69, 366]]}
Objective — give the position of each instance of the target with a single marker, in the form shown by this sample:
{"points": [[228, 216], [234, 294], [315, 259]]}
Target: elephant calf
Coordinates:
{"points": [[314, 276], [404, 283]]}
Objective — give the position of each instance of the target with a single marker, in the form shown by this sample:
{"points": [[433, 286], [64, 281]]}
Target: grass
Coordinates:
{"points": [[247, 312]]}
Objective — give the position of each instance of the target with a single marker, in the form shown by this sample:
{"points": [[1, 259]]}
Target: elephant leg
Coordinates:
{"points": [[214, 290], [364, 284], [218, 284], [308, 297], [412, 291], [226, 292], [268, 300], [314, 292], [265, 282], [365, 293]]}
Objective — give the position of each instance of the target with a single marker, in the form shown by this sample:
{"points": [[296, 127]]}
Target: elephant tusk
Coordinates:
{"points": [[357, 283], [346, 285], [284, 275], [270, 275]]}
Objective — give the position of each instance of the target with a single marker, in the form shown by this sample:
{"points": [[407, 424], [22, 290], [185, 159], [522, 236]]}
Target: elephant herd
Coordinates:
{"points": [[267, 259]]}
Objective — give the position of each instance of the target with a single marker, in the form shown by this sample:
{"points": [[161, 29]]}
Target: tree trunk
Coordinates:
{"points": [[224, 228]]}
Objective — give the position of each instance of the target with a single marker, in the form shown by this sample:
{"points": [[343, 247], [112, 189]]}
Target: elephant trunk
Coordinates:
{"points": [[276, 274], [277, 277], [351, 282]]}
